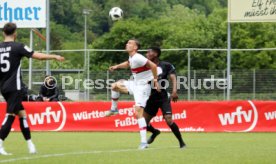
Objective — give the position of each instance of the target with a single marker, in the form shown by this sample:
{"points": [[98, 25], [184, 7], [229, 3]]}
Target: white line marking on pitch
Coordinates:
{"points": [[77, 153]]}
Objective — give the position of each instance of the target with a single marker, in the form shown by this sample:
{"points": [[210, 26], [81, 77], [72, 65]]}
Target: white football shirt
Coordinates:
{"points": [[139, 69]]}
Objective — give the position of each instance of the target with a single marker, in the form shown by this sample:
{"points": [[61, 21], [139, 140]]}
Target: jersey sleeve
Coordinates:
{"points": [[141, 60], [171, 69], [26, 51]]}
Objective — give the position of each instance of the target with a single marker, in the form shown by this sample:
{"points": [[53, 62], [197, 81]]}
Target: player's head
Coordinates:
{"points": [[9, 30], [153, 53], [133, 45]]}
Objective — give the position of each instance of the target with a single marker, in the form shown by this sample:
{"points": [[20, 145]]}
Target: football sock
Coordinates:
{"points": [[176, 132], [155, 133], [30, 142], [114, 102], [150, 128], [143, 129], [25, 128], [6, 126]]}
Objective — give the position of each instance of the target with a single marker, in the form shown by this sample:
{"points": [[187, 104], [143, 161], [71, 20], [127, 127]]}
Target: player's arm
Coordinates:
{"points": [[55, 95], [174, 95], [122, 65], [41, 56], [172, 75], [41, 92], [153, 68], [29, 53]]}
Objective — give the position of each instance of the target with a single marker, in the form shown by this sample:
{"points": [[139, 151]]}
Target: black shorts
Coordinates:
{"points": [[14, 102], [156, 101]]}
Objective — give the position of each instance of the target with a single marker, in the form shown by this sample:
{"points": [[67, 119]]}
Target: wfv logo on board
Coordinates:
{"points": [[243, 119], [53, 117]]}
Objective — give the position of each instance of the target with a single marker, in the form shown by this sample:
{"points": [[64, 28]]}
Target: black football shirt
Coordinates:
{"points": [[11, 54], [164, 69]]}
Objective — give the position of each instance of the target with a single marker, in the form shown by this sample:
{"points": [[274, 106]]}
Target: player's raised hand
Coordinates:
{"points": [[174, 97], [113, 68]]}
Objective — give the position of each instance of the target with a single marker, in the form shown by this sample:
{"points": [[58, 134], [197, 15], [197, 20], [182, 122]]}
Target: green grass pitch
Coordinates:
{"points": [[91, 147]]}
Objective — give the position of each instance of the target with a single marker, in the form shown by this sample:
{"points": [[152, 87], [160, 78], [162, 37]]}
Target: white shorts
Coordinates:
{"points": [[141, 92]]}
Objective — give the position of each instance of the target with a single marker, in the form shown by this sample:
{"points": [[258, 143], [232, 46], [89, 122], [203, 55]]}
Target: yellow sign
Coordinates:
{"points": [[252, 10]]}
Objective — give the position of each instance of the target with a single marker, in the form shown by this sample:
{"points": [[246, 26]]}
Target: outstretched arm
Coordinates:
{"points": [[41, 56], [122, 65]]}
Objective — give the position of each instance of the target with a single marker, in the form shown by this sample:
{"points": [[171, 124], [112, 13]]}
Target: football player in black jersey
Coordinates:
{"points": [[161, 99], [11, 53]]}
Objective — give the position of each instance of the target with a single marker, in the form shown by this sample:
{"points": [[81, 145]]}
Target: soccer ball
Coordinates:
{"points": [[116, 13]]}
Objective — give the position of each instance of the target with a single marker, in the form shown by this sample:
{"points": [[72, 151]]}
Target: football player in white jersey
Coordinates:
{"points": [[144, 71]]}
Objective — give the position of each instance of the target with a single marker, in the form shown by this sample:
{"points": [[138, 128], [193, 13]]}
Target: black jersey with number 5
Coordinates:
{"points": [[10, 71]]}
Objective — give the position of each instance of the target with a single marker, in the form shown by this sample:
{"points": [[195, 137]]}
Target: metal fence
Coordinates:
{"points": [[246, 84]]}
